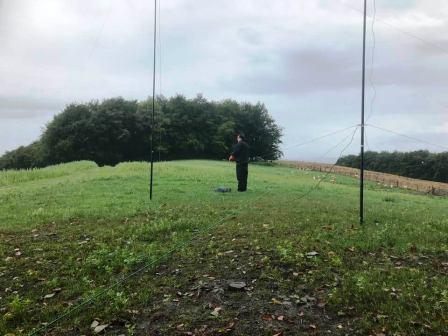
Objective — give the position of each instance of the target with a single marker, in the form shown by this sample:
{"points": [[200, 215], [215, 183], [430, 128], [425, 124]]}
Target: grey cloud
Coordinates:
{"points": [[28, 107], [436, 47], [380, 140], [250, 36], [22, 114], [300, 72], [411, 76], [312, 70], [27, 103]]}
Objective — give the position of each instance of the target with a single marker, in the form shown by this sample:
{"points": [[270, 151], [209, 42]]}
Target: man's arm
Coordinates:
{"points": [[235, 152]]}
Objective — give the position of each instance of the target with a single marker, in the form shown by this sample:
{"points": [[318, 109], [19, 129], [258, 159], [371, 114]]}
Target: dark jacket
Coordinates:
{"points": [[241, 152]]}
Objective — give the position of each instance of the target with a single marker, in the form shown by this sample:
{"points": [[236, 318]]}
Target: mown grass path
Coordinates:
{"points": [[308, 267]]}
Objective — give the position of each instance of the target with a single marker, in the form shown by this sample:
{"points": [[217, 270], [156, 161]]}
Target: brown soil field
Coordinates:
{"points": [[387, 180]]}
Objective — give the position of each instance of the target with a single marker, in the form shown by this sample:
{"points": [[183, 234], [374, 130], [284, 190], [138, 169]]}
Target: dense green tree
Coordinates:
{"points": [[440, 164], [260, 130], [30, 156], [117, 130], [107, 132]]}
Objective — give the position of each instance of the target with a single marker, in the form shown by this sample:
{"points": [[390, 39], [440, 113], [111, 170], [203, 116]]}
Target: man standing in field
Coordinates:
{"points": [[240, 154]]}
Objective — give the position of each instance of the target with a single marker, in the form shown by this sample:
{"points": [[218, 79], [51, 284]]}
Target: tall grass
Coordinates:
{"points": [[10, 177]]}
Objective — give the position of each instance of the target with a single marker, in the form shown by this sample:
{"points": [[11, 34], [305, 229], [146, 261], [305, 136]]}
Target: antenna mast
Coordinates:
{"points": [[361, 184], [153, 102]]}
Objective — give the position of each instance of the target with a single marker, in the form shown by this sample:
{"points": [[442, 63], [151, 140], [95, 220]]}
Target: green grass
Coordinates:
{"points": [[73, 229], [11, 177]]}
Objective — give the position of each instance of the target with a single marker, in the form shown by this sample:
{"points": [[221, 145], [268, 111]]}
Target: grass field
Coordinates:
{"points": [[70, 231]]}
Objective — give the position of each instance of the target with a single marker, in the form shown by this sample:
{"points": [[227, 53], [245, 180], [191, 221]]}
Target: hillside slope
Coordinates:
{"points": [[306, 265]]}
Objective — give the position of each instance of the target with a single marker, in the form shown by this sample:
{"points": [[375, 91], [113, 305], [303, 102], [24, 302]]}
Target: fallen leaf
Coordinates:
{"points": [[312, 254], [237, 284], [267, 318], [94, 324], [216, 311], [280, 318], [100, 328], [229, 326], [49, 296], [307, 298], [321, 304]]}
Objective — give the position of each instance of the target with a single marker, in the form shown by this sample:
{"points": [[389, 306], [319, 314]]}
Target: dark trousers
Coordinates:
{"points": [[242, 171]]}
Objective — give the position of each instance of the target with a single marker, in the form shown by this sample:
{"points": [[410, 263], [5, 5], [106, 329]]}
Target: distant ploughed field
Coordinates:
{"points": [[387, 180]]}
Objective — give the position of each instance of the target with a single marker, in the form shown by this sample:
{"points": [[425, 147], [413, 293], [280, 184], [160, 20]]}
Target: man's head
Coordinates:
{"points": [[240, 137]]}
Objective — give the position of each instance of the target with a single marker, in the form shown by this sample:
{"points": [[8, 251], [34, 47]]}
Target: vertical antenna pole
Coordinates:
{"points": [[153, 101], [361, 184]]}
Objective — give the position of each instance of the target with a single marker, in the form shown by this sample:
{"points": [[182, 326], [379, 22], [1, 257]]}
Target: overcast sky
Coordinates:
{"points": [[302, 58]]}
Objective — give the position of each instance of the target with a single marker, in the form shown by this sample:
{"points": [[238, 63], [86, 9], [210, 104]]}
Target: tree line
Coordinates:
{"points": [[117, 130], [420, 164]]}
